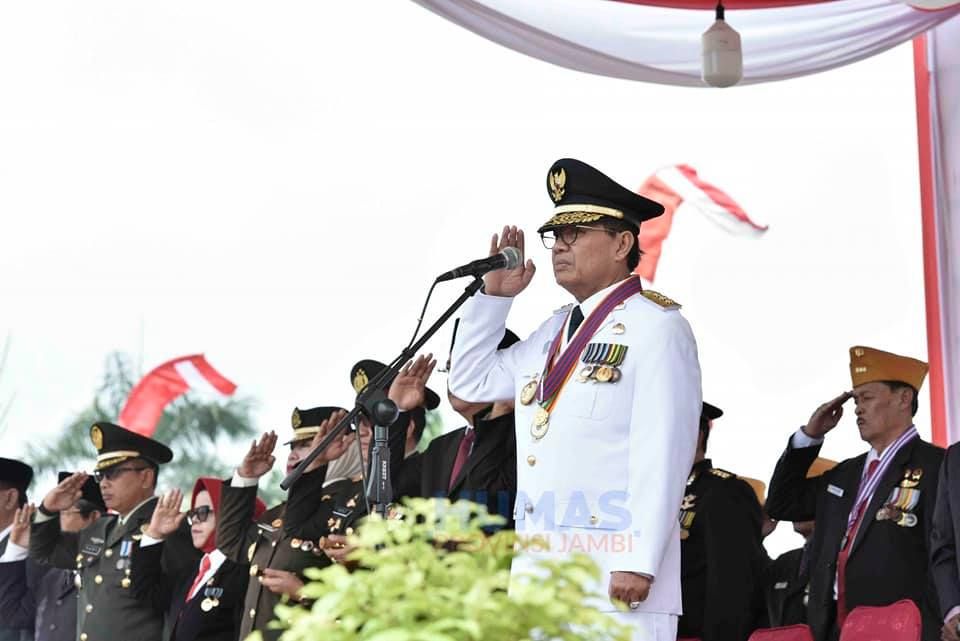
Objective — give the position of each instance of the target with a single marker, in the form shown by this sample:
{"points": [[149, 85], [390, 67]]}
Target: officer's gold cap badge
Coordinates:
{"points": [[295, 419], [557, 181], [360, 381], [96, 437]]}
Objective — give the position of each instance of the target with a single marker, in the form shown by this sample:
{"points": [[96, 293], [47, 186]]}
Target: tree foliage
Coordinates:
{"points": [[196, 430], [434, 576]]}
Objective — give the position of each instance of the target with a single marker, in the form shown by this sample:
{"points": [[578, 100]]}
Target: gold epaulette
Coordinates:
{"points": [[716, 471], [663, 301]]}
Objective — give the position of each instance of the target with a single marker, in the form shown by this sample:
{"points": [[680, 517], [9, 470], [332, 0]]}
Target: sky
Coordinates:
{"points": [[277, 187]]}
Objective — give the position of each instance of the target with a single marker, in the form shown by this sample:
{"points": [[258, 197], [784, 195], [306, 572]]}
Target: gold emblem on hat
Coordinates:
{"points": [[96, 436], [295, 419], [360, 380], [557, 181], [528, 392]]}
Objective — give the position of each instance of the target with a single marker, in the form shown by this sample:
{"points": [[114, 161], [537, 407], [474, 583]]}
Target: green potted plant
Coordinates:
{"points": [[434, 575]]}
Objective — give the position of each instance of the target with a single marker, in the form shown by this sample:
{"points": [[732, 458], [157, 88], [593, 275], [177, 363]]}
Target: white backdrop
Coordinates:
{"points": [[276, 188]]}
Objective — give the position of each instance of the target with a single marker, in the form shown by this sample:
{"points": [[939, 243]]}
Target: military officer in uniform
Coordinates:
{"points": [[609, 387], [110, 606], [40, 595], [15, 477], [873, 513], [286, 539], [721, 548]]}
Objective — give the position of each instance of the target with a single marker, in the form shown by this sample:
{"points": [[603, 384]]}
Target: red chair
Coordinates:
{"points": [[899, 621], [786, 633]]}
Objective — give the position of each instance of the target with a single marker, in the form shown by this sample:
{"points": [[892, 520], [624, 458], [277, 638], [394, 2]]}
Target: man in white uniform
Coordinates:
{"points": [[607, 400]]}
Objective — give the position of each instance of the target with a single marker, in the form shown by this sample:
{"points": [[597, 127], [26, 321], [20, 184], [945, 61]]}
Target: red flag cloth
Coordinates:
{"points": [[165, 383], [678, 185]]}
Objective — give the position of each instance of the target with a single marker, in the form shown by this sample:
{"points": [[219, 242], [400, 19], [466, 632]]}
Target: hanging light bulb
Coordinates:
{"points": [[722, 56]]}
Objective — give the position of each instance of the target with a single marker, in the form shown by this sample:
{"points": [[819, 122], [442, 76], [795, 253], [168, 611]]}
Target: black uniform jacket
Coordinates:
{"points": [[888, 560], [38, 597], [488, 477], [720, 555], [945, 539], [785, 590]]}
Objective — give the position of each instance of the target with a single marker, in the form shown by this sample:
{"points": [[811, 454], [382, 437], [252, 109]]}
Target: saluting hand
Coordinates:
{"points": [[509, 282], [20, 532], [336, 448], [259, 458], [66, 493], [167, 516], [826, 417], [408, 389]]}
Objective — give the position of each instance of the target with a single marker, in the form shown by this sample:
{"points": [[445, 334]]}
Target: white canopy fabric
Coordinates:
{"points": [[662, 45]]}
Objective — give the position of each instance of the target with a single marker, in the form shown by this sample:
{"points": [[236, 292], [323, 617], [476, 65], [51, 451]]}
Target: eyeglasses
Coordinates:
{"points": [[199, 514], [568, 234], [111, 473]]}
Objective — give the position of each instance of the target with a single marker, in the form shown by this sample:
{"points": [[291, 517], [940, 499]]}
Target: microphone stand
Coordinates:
{"points": [[373, 403]]}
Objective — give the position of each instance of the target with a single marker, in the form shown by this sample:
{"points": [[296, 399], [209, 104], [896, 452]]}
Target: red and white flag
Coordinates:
{"points": [[674, 187], [164, 384]]}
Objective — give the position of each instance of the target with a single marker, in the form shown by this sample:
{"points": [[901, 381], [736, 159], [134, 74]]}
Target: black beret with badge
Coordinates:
{"points": [[15, 473], [366, 370], [306, 423], [582, 194], [117, 444]]}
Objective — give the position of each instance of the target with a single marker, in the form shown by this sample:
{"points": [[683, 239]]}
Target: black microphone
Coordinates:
{"points": [[508, 258]]}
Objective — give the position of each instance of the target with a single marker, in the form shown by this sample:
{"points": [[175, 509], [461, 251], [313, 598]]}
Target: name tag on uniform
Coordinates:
{"points": [[91, 549], [782, 585], [836, 491]]}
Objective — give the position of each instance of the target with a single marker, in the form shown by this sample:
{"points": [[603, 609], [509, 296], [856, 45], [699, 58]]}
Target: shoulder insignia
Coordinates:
{"points": [[722, 473], [663, 301], [564, 309]]}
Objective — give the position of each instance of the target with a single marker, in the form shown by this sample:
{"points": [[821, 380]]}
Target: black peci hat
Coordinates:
{"points": [[15, 473], [711, 412]]}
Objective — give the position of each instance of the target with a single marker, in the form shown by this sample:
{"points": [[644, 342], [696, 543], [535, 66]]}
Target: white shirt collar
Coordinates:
{"points": [[587, 307], [216, 560]]}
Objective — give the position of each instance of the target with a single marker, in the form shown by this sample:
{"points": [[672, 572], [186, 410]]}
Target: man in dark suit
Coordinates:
{"points": [[786, 581], [126, 469], [15, 477], [477, 462], [873, 513], [38, 595], [720, 548], [944, 543]]}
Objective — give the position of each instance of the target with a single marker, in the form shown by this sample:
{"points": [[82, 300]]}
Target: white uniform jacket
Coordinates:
{"points": [[608, 477]]}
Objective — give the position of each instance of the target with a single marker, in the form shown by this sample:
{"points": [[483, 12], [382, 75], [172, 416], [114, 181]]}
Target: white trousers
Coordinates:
{"points": [[649, 626]]}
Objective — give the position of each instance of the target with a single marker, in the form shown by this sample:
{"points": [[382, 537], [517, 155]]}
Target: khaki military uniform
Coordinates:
{"points": [[285, 537], [110, 606]]}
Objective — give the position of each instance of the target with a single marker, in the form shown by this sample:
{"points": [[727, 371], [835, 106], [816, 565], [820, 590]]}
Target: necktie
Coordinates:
{"points": [[845, 550], [463, 453], [204, 568], [576, 317]]}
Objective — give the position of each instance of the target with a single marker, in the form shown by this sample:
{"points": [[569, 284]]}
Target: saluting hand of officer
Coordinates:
{"points": [[826, 417], [66, 493], [408, 389], [259, 458], [167, 516], [336, 448], [508, 282], [20, 530]]}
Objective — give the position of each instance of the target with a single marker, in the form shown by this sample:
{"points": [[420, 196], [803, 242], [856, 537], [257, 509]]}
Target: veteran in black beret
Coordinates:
{"points": [[41, 596], [721, 548], [608, 386], [285, 540], [109, 605]]}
